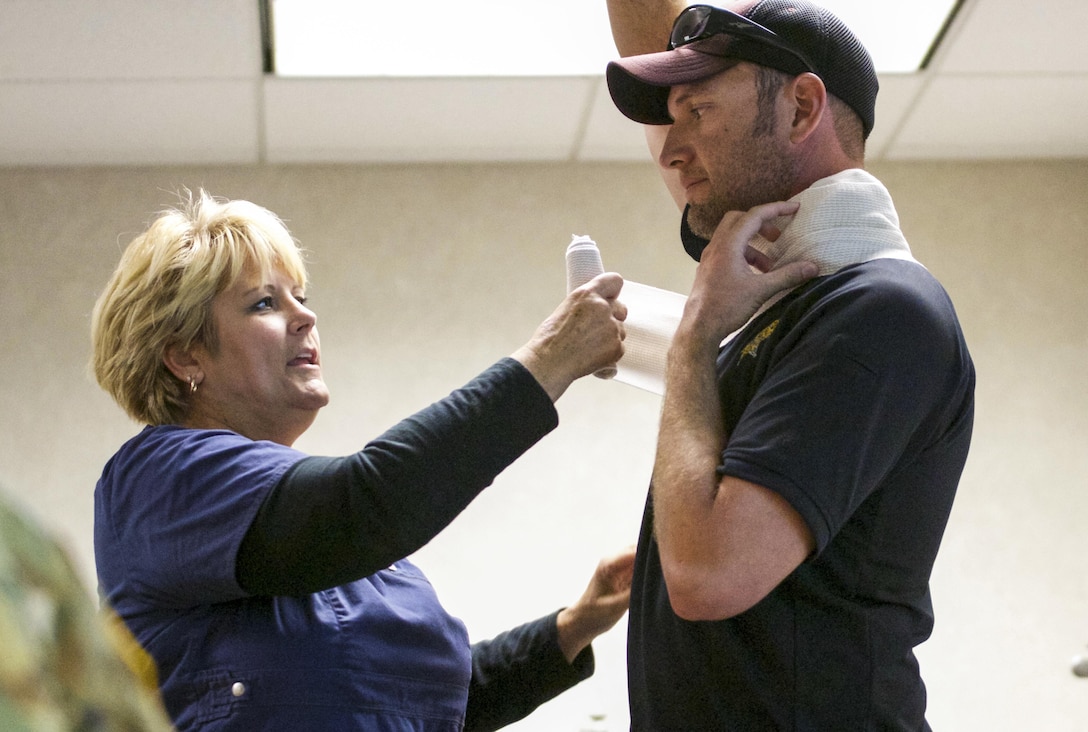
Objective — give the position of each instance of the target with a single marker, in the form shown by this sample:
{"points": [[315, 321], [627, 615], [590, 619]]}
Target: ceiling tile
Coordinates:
{"points": [[122, 123], [1013, 36], [349, 120], [129, 39], [997, 117]]}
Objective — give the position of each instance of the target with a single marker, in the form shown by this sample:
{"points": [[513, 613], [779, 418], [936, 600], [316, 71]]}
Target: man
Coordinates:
{"points": [[805, 469]]}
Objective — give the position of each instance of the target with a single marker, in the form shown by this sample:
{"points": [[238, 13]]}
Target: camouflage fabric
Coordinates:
{"points": [[62, 666]]}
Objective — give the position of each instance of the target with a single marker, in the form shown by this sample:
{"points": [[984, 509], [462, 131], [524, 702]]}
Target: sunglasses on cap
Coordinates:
{"points": [[699, 22]]}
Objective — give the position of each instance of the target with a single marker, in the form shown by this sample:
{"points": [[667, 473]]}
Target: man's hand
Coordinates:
{"points": [[726, 292]]}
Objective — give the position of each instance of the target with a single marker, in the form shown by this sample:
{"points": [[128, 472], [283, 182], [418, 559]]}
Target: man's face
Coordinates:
{"points": [[729, 155]]}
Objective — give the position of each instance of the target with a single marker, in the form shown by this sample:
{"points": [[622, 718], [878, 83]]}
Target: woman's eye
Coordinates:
{"points": [[265, 303]]}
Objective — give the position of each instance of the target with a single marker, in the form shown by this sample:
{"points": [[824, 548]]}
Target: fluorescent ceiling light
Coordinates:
{"points": [[434, 38]]}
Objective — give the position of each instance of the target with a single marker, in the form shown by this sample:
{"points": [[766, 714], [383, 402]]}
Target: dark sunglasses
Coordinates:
{"points": [[698, 22]]}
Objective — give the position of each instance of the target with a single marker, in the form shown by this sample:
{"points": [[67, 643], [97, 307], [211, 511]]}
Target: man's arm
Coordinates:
{"points": [[643, 26], [724, 542]]}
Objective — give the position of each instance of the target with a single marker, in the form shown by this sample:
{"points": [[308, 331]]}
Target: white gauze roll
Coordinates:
{"points": [[653, 315], [583, 261], [583, 264]]}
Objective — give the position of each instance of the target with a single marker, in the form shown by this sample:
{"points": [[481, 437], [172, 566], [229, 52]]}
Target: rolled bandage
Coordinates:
{"points": [[583, 261], [653, 315], [583, 264]]}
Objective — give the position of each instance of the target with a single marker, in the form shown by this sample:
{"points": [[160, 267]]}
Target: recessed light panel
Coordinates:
{"points": [[435, 38]]}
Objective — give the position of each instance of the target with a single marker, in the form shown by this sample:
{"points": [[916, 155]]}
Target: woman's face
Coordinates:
{"points": [[263, 378]]}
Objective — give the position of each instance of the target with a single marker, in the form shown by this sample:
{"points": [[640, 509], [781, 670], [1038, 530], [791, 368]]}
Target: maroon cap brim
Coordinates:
{"points": [[640, 85]]}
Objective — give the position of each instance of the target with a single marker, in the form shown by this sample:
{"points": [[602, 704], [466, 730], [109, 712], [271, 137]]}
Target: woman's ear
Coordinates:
{"points": [[809, 97], [182, 362]]}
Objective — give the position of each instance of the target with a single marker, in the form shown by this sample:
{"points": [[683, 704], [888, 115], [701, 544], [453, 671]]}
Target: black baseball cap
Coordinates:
{"points": [[793, 36]]}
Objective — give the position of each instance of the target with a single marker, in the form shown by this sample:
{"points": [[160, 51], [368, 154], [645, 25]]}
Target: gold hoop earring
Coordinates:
{"points": [[192, 384]]}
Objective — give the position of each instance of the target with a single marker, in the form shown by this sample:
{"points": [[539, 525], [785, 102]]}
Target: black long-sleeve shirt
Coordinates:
{"points": [[331, 520]]}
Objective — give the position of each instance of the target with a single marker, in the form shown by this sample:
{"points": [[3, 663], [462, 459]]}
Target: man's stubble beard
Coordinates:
{"points": [[764, 174]]}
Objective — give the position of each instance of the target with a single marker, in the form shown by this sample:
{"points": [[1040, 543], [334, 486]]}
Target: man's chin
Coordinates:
{"points": [[704, 220]]}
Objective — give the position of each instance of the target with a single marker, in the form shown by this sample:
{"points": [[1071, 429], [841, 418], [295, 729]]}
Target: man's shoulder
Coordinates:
{"points": [[902, 284]]}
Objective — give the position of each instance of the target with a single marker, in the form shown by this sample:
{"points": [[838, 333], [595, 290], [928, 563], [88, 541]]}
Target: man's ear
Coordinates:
{"points": [[182, 362], [809, 97]]}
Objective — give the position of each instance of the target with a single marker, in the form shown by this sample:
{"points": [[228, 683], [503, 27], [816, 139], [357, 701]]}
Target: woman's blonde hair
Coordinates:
{"points": [[161, 295]]}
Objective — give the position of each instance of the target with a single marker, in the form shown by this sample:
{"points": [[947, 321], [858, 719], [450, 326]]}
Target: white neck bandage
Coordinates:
{"points": [[844, 219]]}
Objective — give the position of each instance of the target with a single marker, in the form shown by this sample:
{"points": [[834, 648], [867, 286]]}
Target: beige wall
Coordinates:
{"points": [[425, 275]]}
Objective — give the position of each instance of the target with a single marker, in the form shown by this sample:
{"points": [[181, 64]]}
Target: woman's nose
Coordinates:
{"points": [[303, 317]]}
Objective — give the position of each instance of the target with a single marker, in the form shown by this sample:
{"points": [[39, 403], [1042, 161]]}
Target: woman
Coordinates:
{"points": [[271, 587]]}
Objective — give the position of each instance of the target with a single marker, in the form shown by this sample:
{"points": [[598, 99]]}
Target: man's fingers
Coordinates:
{"points": [[741, 227], [793, 274], [757, 259]]}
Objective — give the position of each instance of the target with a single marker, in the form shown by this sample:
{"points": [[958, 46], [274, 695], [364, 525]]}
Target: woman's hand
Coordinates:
{"points": [[584, 334], [600, 607]]}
